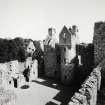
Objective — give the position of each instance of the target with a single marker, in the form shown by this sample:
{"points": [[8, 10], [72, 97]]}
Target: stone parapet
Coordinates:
{"points": [[87, 94]]}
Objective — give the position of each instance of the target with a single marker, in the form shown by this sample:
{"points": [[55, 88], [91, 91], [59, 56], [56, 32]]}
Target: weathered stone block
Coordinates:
{"points": [[89, 89], [97, 74], [74, 101], [81, 98]]}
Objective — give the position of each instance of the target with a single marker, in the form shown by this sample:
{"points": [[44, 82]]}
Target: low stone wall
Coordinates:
{"points": [[87, 94], [14, 69]]}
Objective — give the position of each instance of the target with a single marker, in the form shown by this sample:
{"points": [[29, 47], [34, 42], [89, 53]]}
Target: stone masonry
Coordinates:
{"points": [[99, 46], [87, 94], [67, 44], [50, 55], [51, 63], [99, 42]]}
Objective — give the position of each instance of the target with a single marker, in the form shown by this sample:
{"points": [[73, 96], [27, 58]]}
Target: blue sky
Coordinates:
{"points": [[32, 18]]}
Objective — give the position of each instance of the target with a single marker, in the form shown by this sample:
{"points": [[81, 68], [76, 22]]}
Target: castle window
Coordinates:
{"points": [[64, 35], [64, 49], [80, 61]]}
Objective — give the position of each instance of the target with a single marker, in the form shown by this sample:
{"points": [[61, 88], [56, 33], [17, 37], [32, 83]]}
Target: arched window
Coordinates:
{"points": [[64, 35]]}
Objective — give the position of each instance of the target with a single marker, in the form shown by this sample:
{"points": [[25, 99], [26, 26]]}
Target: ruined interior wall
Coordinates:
{"points": [[15, 69], [87, 94]]}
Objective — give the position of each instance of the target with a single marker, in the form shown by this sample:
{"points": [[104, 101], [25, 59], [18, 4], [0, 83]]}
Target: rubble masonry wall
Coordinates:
{"points": [[87, 94]]}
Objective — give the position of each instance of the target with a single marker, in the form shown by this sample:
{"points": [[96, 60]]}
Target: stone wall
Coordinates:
{"points": [[99, 47], [87, 94], [85, 53], [14, 69], [65, 36], [51, 62], [102, 65], [99, 42], [68, 73], [7, 97]]}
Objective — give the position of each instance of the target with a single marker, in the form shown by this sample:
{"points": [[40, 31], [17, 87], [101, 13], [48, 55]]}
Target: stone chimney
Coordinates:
{"points": [[51, 31], [75, 29], [75, 32]]}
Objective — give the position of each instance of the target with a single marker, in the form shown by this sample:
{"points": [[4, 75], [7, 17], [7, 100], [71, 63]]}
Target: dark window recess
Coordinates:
{"points": [[64, 49]]}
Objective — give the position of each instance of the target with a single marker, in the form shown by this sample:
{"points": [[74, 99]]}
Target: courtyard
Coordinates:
{"points": [[44, 92]]}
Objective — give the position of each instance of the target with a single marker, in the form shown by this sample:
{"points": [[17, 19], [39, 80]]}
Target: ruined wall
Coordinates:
{"points": [[99, 46], [99, 42], [85, 53], [39, 55], [87, 94], [67, 44], [68, 63], [14, 69], [67, 73], [65, 37], [51, 62]]}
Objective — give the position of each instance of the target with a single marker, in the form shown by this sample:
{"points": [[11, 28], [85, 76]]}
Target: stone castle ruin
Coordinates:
{"points": [[68, 57], [13, 69], [67, 44], [99, 46], [66, 61], [92, 89]]}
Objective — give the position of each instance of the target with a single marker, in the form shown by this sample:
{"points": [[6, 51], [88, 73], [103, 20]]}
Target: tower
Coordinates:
{"points": [[50, 55], [67, 43], [99, 47]]}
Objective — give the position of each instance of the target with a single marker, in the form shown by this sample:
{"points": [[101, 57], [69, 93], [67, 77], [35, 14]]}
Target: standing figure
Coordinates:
{"points": [[26, 74]]}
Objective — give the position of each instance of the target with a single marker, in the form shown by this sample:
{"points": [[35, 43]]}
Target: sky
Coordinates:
{"points": [[32, 18]]}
